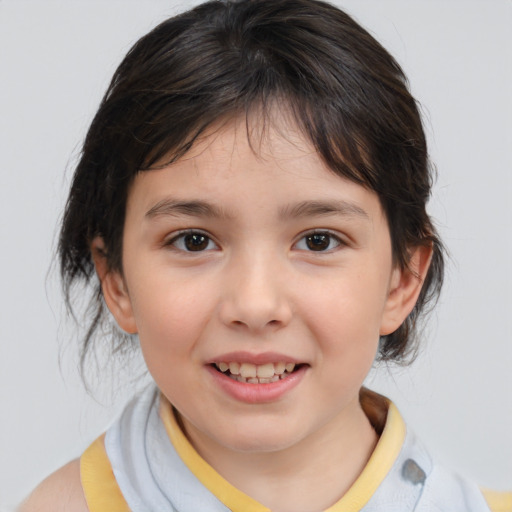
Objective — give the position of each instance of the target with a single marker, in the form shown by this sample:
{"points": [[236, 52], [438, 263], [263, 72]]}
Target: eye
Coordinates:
{"points": [[319, 241], [192, 241]]}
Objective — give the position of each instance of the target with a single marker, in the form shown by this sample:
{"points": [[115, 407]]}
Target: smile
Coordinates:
{"points": [[256, 373]]}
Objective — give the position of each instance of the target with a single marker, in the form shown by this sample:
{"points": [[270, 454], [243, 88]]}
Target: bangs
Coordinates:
{"points": [[241, 62]]}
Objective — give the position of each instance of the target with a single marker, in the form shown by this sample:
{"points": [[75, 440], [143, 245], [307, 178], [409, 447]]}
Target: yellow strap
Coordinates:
{"points": [[498, 501], [98, 481]]}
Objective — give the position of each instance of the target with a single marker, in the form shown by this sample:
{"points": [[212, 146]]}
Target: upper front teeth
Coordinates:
{"points": [[262, 371]]}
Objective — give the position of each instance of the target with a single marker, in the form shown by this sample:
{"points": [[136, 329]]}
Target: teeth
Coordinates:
{"points": [[223, 367], [279, 368], [248, 370], [265, 371], [257, 374], [234, 368]]}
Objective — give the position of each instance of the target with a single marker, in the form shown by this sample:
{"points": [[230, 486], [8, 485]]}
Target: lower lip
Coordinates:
{"points": [[257, 393]]}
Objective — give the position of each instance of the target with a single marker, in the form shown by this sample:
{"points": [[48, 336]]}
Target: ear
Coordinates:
{"points": [[114, 288], [405, 287]]}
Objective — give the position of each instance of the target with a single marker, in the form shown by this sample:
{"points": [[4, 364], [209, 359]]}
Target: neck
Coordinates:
{"points": [[307, 477]]}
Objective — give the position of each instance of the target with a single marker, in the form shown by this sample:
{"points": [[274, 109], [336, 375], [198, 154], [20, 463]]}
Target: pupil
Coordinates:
{"points": [[196, 242], [318, 242]]}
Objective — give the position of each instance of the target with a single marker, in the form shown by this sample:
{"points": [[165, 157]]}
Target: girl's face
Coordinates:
{"points": [[259, 283]]}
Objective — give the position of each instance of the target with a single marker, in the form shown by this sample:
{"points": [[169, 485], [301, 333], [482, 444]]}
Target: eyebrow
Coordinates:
{"points": [[324, 208], [196, 208], [192, 208]]}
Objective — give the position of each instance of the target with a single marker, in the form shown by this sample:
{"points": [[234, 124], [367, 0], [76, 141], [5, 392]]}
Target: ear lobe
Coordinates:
{"points": [[405, 287], [114, 288]]}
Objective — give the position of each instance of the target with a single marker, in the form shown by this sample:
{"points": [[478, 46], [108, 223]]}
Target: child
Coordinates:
{"points": [[251, 196]]}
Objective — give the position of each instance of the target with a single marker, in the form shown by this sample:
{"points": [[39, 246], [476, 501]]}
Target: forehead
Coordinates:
{"points": [[271, 135], [245, 162]]}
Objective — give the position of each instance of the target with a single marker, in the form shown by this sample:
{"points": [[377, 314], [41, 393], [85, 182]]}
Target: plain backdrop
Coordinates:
{"points": [[56, 58]]}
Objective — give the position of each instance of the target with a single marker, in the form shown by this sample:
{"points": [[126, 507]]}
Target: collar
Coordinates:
{"points": [[382, 414]]}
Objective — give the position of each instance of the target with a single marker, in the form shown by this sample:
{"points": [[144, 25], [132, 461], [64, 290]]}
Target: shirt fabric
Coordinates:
{"points": [[144, 463]]}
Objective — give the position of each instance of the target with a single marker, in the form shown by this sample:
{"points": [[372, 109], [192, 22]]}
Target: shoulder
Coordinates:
{"points": [[61, 491], [446, 490]]}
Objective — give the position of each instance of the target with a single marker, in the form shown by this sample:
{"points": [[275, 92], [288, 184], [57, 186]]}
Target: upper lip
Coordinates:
{"points": [[257, 359]]}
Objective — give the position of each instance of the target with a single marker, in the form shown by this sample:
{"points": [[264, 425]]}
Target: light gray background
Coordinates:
{"points": [[56, 58]]}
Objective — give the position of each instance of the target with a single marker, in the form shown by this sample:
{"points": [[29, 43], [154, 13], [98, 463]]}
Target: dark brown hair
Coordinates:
{"points": [[224, 59]]}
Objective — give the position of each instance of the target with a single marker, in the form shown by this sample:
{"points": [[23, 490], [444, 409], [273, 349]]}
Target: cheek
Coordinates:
{"points": [[349, 341], [345, 316], [170, 319], [352, 305]]}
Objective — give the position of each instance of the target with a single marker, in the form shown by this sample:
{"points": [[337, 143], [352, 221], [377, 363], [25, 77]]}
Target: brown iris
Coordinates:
{"points": [[196, 242], [318, 241]]}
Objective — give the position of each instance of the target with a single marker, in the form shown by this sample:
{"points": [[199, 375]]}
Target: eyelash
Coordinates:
{"points": [[180, 239]]}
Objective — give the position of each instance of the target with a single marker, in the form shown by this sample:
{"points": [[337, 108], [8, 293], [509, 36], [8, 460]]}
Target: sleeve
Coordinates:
{"points": [[98, 481], [498, 501]]}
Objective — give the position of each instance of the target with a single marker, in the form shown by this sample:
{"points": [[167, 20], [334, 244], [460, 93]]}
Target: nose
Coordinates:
{"points": [[255, 296]]}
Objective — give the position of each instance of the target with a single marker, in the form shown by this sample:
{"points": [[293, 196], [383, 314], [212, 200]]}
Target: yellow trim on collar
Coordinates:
{"points": [[498, 501], [98, 481], [234, 499], [380, 463]]}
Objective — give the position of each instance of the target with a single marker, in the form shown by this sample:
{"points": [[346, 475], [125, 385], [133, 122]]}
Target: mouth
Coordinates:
{"points": [[249, 373]]}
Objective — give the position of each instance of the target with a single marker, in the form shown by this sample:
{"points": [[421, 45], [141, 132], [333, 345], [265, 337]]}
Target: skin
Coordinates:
{"points": [[60, 492], [259, 286]]}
